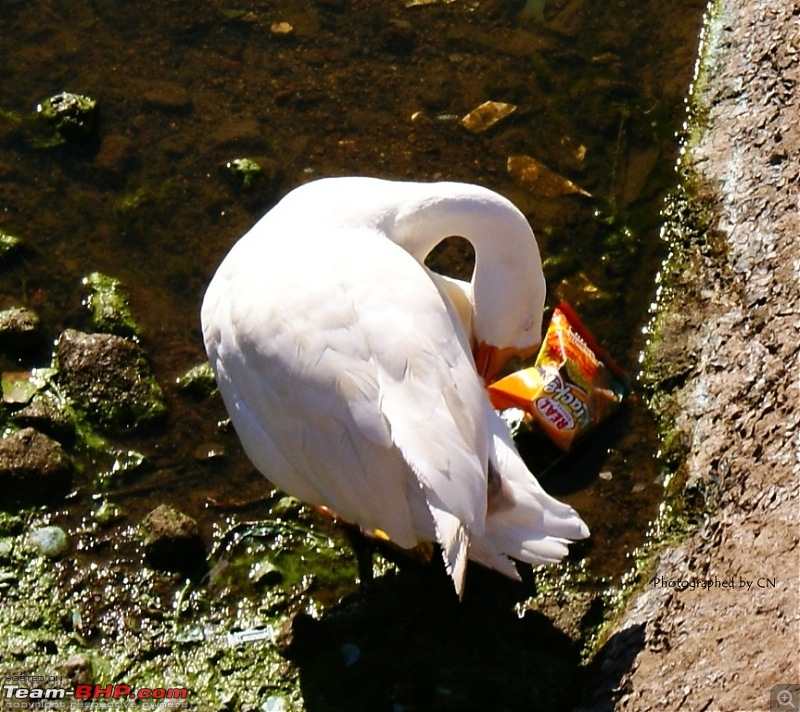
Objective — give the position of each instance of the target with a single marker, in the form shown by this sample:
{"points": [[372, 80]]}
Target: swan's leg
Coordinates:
{"points": [[363, 548]]}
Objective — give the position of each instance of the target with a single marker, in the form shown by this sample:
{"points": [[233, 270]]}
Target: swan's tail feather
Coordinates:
{"points": [[523, 522], [484, 553], [452, 537]]}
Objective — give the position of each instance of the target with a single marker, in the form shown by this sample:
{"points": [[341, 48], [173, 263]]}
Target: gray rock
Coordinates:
{"points": [[51, 541], [47, 415]]}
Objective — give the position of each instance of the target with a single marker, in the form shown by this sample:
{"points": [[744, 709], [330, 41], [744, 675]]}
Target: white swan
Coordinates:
{"points": [[347, 366]]}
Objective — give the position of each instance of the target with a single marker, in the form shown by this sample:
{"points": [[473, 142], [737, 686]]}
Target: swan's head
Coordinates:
{"points": [[516, 333]]}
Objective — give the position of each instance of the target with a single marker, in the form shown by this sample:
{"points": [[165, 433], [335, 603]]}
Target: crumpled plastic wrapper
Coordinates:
{"points": [[572, 387]]}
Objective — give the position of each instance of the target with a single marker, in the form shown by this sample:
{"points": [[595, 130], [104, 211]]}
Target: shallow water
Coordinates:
{"points": [[185, 87]]}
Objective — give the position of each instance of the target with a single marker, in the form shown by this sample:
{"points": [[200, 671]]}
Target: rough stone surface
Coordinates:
{"points": [[45, 414], [736, 315], [77, 669], [19, 329], [33, 468], [172, 541], [110, 378]]}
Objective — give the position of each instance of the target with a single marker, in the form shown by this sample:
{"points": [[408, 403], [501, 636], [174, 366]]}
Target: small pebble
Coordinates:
{"points": [[350, 653], [51, 542], [274, 704], [107, 513], [281, 29]]}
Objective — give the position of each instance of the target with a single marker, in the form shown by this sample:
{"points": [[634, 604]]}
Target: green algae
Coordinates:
{"points": [[108, 304], [9, 244], [222, 642], [245, 170], [198, 381]]}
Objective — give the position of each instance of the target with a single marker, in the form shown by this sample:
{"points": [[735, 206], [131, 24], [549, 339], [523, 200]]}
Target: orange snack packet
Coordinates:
{"points": [[573, 385]]}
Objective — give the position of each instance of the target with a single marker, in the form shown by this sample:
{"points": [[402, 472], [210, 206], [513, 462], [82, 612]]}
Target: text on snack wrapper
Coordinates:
{"points": [[569, 396]]}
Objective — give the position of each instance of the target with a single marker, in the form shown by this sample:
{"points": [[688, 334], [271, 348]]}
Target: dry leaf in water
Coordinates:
{"points": [[486, 115], [540, 180]]}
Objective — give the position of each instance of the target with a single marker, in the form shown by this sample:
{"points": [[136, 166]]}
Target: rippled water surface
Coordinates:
{"points": [[357, 87]]}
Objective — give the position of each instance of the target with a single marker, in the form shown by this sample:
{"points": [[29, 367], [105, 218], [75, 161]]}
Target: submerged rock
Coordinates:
{"points": [[114, 158], [33, 468], [172, 541], [167, 96], [108, 304], [8, 244], [70, 117], [109, 378], [19, 330]]}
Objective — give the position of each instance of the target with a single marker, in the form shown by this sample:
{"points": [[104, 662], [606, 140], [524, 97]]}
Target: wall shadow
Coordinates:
{"points": [[605, 674]]}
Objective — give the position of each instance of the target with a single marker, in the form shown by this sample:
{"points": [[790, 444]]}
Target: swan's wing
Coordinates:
{"points": [[342, 369]]}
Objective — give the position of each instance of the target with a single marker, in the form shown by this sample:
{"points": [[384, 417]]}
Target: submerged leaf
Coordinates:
{"points": [[540, 180], [486, 115]]}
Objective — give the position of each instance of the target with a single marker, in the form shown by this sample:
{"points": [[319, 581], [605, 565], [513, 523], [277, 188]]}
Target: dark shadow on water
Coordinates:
{"points": [[562, 473], [405, 642]]}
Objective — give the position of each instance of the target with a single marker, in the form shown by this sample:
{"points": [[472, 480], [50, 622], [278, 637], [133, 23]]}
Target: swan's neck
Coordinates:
{"points": [[508, 272]]}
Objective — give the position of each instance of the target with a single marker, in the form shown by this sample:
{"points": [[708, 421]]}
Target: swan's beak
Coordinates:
{"points": [[489, 360]]}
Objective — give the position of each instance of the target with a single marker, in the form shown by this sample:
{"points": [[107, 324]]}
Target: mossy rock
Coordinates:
{"points": [[198, 381], [245, 170], [108, 378], [108, 304], [66, 117], [9, 244]]}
